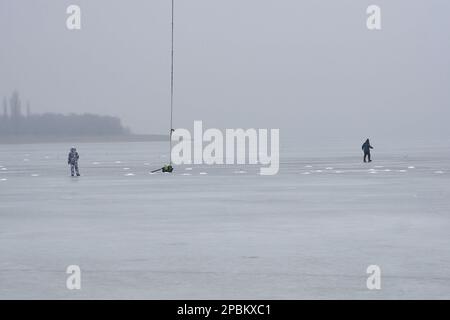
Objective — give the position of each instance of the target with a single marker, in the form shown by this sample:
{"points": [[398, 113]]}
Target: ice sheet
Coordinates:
{"points": [[223, 232]]}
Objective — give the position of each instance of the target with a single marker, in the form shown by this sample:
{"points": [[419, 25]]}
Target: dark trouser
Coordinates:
{"points": [[74, 169], [367, 155]]}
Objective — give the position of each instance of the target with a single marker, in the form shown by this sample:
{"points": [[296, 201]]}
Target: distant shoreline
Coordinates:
{"points": [[27, 139]]}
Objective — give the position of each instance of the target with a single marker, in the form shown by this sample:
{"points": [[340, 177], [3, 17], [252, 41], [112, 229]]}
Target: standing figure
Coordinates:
{"points": [[366, 148], [73, 162]]}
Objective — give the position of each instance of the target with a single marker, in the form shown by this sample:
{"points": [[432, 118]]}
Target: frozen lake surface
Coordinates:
{"points": [[219, 232]]}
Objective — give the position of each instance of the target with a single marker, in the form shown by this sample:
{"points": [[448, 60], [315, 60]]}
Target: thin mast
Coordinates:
{"points": [[171, 93]]}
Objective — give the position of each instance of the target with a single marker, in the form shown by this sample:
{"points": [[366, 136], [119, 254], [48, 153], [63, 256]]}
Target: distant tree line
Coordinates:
{"points": [[13, 122]]}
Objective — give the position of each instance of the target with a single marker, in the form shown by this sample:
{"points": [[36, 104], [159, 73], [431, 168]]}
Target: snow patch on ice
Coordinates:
{"points": [[411, 167], [3, 179]]}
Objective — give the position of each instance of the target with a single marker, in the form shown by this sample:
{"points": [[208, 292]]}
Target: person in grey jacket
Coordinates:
{"points": [[73, 162]]}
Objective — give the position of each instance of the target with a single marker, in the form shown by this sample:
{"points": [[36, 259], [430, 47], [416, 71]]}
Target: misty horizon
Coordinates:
{"points": [[307, 68]]}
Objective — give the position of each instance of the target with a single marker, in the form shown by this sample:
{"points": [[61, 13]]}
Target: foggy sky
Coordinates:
{"points": [[310, 68]]}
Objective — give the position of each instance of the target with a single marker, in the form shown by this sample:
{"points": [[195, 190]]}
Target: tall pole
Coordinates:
{"points": [[171, 92]]}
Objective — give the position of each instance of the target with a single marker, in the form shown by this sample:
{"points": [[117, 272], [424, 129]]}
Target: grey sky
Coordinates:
{"points": [[306, 67]]}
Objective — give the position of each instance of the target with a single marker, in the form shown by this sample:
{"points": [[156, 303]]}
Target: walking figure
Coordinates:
{"points": [[366, 148], [73, 161]]}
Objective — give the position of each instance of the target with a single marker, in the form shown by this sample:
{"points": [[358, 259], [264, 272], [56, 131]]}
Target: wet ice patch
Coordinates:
{"points": [[186, 174], [203, 173], [329, 168], [3, 169], [306, 172], [188, 169], [379, 166], [439, 172], [95, 163], [26, 160], [240, 171], [308, 166], [411, 167], [387, 170], [35, 175], [118, 162], [129, 174], [126, 168], [339, 171], [318, 171], [402, 171], [3, 179]]}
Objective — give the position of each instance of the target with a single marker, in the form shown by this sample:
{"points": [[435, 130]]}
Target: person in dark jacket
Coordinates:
{"points": [[73, 162], [366, 148]]}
